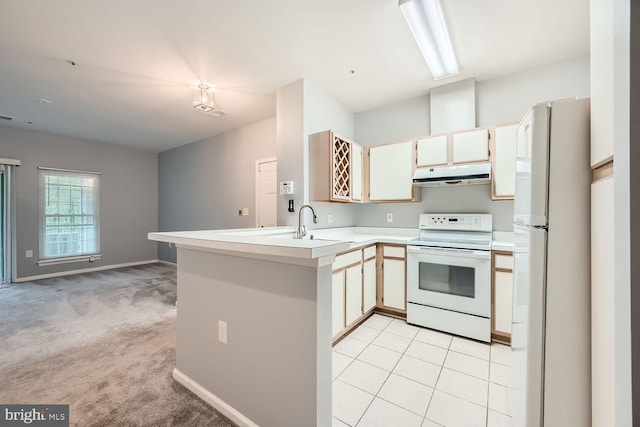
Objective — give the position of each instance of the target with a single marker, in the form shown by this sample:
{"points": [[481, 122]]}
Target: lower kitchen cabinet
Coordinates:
{"points": [[502, 292], [353, 293], [393, 287], [369, 283], [337, 303], [363, 279], [353, 288]]}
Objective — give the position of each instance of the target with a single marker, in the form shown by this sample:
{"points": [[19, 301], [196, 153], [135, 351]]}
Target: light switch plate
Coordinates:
{"points": [[330, 218], [222, 331], [389, 216]]}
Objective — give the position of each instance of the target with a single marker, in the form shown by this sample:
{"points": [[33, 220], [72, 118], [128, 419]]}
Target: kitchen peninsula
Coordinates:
{"points": [[253, 333]]}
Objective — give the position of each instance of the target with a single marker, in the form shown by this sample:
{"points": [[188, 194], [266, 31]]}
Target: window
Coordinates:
{"points": [[69, 220]]}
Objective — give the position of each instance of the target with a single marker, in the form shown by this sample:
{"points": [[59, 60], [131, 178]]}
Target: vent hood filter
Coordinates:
{"points": [[478, 173]]}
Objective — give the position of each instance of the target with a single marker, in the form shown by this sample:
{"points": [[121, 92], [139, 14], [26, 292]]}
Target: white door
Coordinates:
{"points": [[391, 172], [532, 161], [369, 285], [393, 280], [432, 151], [337, 303], [527, 334], [356, 172], [266, 192], [471, 146], [458, 281], [504, 157], [353, 307]]}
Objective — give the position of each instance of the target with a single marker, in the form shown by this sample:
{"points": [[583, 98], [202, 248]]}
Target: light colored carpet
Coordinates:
{"points": [[103, 343]]}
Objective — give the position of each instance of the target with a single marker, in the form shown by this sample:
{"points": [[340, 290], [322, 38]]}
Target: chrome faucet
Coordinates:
{"points": [[302, 230]]}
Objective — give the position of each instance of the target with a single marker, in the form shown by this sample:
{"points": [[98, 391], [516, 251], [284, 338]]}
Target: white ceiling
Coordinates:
{"points": [[137, 61]]}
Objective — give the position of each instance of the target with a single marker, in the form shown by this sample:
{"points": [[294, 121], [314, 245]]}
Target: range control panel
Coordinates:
{"points": [[462, 222]]}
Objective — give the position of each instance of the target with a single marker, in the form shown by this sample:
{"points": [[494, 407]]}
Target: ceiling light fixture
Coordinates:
{"points": [[203, 101], [429, 28], [203, 98]]}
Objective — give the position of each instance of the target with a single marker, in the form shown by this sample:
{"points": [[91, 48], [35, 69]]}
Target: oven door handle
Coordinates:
{"points": [[464, 253]]}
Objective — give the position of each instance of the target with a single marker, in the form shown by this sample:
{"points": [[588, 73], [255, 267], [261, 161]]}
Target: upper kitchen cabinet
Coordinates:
{"points": [[391, 173], [432, 151], [335, 168], [503, 162], [470, 146]]}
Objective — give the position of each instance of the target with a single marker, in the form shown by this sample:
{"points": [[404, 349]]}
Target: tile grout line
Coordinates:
{"points": [[403, 354], [385, 380]]}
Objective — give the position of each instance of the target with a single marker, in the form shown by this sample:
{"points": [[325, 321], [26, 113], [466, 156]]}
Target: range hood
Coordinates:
{"points": [[477, 173]]}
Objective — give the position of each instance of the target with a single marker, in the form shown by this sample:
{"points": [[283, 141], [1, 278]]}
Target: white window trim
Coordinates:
{"points": [[42, 260]]}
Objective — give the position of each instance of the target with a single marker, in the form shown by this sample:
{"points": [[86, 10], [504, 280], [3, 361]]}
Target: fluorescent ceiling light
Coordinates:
{"points": [[427, 24]]}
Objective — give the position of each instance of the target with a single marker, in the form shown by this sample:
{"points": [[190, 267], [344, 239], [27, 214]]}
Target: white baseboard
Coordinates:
{"points": [[213, 400], [161, 261], [84, 270]]}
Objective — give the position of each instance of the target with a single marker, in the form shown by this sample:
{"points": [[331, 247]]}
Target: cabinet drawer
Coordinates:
{"points": [[346, 259], [393, 251], [369, 252], [504, 261]]}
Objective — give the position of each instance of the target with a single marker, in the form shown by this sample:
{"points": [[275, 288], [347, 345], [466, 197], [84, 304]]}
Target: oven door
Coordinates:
{"points": [[451, 279]]}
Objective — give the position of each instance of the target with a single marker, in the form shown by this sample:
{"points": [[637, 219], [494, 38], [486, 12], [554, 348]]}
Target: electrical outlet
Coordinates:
{"points": [[330, 218], [243, 211], [28, 253], [389, 216], [222, 331]]}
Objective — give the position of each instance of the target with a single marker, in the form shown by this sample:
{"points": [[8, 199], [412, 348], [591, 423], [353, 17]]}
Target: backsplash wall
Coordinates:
{"points": [[456, 199]]}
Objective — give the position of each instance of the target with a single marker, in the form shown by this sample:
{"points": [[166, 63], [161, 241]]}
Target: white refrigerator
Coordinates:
{"points": [[551, 345]]}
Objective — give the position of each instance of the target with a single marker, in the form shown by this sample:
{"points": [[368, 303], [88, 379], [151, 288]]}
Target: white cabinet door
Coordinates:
{"points": [[603, 303], [471, 146], [504, 161], [503, 296], [394, 283], [391, 172], [354, 293], [432, 151], [369, 285], [356, 171], [337, 303]]}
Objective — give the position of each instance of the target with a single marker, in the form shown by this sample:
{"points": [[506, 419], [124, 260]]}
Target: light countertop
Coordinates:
{"points": [[280, 241], [502, 241]]}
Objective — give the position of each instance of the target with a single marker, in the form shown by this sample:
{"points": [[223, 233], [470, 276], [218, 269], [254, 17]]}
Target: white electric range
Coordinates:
{"points": [[449, 274]]}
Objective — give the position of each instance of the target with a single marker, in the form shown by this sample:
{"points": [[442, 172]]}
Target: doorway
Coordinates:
{"points": [[266, 192], [7, 224]]}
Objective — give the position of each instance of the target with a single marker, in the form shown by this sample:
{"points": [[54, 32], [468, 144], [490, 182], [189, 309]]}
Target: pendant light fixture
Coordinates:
{"points": [[203, 98]]}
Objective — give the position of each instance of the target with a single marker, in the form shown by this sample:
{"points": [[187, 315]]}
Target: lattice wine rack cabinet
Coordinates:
{"points": [[335, 168], [341, 169]]}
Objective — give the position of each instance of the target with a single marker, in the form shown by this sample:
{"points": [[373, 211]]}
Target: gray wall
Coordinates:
{"points": [[203, 184], [128, 195], [634, 184], [278, 319], [290, 147], [323, 112], [498, 101], [304, 108], [506, 99]]}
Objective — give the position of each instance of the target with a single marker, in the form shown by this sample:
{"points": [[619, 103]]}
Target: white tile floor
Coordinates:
{"points": [[387, 373]]}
